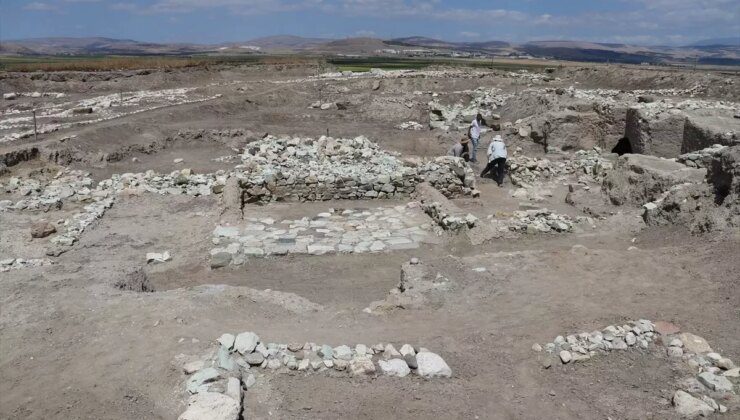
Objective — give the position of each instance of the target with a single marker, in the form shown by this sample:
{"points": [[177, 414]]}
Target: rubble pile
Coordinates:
{"points": [[19, 263], [306, 169], [715, 376], [182, 182], [713, 205], [534, 221], [74, 226], [449, 175], [701, 158], [410, 125], [458, 116], [216, 383], [335, 231], [525, 171], [448, 221], [67, 185]]}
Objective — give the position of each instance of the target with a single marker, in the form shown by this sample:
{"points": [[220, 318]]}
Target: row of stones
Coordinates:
{"points": [[216, 384], [714, 372], [701, 158], [534, 222], [101, 108], [334, 231], [450, 222], [19, 263], [525, 171], [306, 169]]}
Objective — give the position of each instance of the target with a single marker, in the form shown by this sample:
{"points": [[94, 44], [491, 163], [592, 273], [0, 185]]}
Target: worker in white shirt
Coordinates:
{"points": [[496, 159], [474, 135]]}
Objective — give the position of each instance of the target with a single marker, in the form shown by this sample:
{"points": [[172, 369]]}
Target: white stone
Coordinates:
{"points": [[226, 231], [431, 365], [394, 367], [343, 352], [246, 342], [227, 341], [234, 389], [565, 356], [192, 367], [211, 406], [158, 257]]}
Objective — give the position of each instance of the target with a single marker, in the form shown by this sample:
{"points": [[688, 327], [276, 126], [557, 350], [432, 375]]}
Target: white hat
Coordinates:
{"points": [[497, 137]]}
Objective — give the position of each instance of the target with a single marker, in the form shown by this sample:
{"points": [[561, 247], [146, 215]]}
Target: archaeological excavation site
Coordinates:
{"points": [[271, 241]]}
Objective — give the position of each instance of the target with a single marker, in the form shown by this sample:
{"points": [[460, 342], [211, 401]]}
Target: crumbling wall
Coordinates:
{"points": [[637, 179], [701, 132], [703, 207]]}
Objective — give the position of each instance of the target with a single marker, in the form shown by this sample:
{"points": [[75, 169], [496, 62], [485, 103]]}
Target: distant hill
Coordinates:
{"points": [[735, 42], [90, 46], [286, 42], [725, 51]]}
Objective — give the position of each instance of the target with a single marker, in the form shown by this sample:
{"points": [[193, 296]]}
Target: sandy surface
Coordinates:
{"points": [[74, 346]]}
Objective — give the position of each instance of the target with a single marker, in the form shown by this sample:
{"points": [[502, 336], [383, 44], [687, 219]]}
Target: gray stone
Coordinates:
{"points": [[619, 344], [254, 359], [431, 365], [201, 377], [361, 366], [690, 407], [224, 359], [220, 259], [714, 382], [326, 352], [565, 356], [394, 367], [390, 352], [694, 344], [675, 351], [250, 381]]}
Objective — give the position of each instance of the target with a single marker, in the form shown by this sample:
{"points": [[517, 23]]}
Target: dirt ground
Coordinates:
{"points": [[73, 345]]}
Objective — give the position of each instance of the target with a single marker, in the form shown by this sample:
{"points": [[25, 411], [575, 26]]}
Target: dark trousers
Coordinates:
{"points": [[499, 164]]}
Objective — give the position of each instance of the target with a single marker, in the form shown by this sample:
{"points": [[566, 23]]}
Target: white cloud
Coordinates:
{"points": [[40, 7], [467, 34]]}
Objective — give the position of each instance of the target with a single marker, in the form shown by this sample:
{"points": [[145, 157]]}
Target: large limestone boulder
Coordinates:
{"points": [[638, 179]]}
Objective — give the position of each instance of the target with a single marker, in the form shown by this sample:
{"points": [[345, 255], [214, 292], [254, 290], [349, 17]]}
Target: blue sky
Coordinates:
{"points": [[668, 22]]}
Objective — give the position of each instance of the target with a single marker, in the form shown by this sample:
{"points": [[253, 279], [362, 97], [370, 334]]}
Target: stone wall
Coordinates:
{"points": [[304, 169]]}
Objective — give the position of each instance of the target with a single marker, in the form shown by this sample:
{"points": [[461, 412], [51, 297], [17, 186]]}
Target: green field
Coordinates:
{"points": [[363, 64], [326, 63]]}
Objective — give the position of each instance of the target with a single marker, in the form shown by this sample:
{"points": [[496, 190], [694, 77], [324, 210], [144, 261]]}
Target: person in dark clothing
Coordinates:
{"points": [[461, 149], [496, 159]]}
